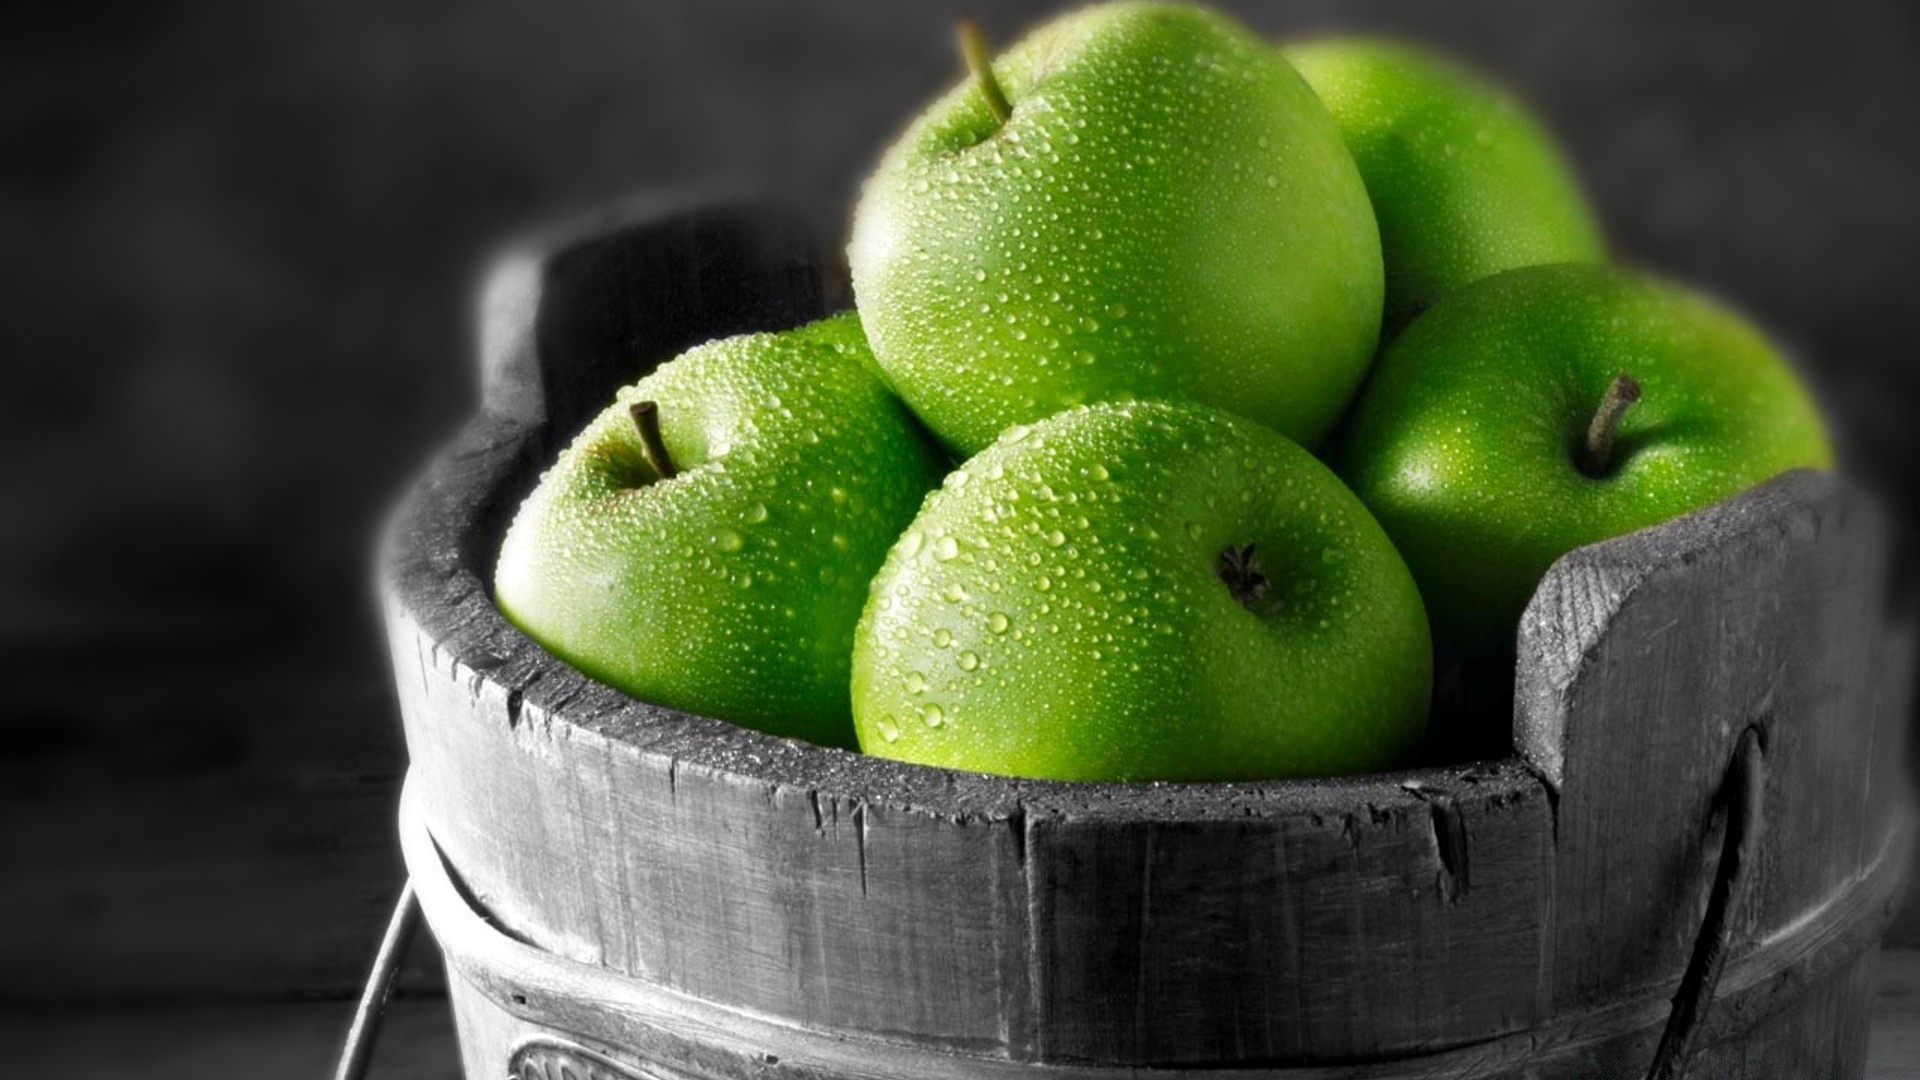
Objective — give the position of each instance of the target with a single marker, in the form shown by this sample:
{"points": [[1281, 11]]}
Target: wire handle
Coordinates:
{"points": [[364, 1033], [1745, 784]]}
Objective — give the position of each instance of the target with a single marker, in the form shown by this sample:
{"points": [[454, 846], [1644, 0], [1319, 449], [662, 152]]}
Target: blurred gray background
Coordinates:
{"points": [[238, 243]]}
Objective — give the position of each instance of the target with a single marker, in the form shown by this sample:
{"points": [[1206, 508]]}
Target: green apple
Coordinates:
{"points": [[1143, 591], [706, 542], [1498, 432], [1465, 183], [1164, 211]]}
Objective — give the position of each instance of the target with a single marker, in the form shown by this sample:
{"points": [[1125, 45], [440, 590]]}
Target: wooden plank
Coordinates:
{"points": [[829, 910], [1364, 919], [1823, 1034], [1762, 610]]}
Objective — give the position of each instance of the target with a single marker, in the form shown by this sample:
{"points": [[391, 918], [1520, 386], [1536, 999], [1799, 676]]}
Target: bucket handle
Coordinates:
{"points": [[362, 1035], [1741, 798]]}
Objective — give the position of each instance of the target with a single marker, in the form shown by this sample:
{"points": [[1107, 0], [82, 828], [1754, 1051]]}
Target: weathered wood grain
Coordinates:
{"points": [[1642, 661], [1798, 1008], [1328, 921], [571, 313]]}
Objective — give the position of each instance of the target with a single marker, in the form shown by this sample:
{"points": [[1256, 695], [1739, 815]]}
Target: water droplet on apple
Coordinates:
{"points": [[943, 637], [757, 513], [934, 715], [889, 730], [1055, 538], [727, 540], [915, 683], [910, 544], [998, 622]]}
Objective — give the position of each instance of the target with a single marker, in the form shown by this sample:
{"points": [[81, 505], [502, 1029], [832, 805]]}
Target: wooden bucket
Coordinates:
{"points": [[626, 891]]}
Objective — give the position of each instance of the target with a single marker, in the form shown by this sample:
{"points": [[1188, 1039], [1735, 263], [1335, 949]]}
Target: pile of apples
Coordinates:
{"points": [[1199, 393]]}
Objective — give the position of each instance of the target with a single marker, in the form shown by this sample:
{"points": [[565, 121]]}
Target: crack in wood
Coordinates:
{"points": [[860, 841], [1450, 841], [1017, 826], [517, 698]]}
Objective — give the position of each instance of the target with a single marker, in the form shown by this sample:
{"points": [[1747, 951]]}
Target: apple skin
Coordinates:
{"points": [[1055, 611], [1465, 182], [1465, 441], [731, 589], [1169, 213]]}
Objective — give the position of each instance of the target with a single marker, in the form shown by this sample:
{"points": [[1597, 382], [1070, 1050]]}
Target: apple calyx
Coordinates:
{"points": [[973, 46], [646, 418], [1596, 453], [1241, 573]]}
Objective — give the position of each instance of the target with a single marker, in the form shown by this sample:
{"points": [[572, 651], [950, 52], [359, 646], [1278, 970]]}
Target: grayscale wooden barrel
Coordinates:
{"points": [[622, 890]]}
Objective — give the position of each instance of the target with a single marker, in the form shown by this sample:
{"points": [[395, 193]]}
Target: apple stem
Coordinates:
{"points": [[1242, 574], [973, 46], [646, 417], [1596, 457]]}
